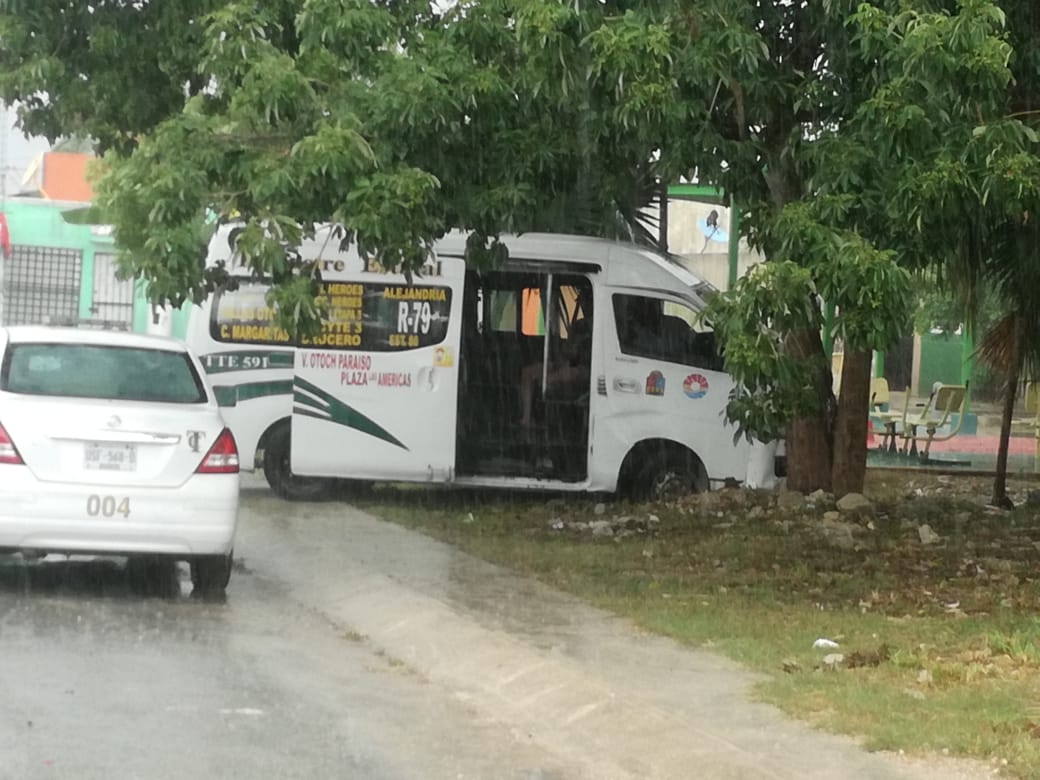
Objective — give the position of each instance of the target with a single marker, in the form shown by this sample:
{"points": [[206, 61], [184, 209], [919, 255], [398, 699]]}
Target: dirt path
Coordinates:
{"points": [[584, 686]]}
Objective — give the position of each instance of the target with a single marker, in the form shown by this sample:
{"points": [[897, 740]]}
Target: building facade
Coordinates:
{"points": [[57, 272]]}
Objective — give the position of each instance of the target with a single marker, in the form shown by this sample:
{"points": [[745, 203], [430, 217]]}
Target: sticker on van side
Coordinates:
{"points": [[370, 317]]}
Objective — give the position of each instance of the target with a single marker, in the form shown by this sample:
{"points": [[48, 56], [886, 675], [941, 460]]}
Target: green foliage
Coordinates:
{"points": [[395, 119], [861, 138], [107, 71], [751, 320], [871, 293], [938, 307], [813, 116], [872, 296]]}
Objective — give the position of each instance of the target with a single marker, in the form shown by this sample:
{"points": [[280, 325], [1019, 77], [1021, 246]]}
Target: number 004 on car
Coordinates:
{"points": [[110, 457]]}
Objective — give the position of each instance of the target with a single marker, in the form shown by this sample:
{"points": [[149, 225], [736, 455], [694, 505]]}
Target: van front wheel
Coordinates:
{"points": [[670, 476], [278, 470]]}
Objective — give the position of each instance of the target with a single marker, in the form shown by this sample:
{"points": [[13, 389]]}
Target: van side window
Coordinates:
{"points": [[503, 311], [664, 330], [369, 316]]}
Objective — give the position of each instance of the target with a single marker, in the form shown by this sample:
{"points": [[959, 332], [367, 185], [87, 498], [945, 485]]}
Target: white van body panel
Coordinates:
{"points": [[252, 382], [384, 414], [393, 414], [652, 399]]}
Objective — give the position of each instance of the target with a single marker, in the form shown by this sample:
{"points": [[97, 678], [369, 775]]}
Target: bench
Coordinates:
{"points": [[923, 423]]}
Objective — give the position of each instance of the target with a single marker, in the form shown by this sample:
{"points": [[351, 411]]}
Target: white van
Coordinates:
{"points": [[578, 365]]}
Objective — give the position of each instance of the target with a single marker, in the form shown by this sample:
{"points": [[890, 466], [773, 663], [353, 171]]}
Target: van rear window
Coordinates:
{"points": [[370, 317], [101, 371]]}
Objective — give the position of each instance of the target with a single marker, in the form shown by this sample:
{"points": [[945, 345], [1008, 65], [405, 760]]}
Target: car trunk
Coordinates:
{"points": [[107, 442]]}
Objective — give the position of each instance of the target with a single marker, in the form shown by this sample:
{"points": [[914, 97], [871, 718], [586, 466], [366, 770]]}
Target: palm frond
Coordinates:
{"points": [[602, 207], [997, 349]]}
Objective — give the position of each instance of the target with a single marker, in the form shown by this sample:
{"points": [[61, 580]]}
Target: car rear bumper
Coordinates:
{"points": [[197, 518]]}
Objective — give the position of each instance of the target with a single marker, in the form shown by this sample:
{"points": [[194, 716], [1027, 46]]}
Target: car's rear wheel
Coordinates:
{"points": [[152, 576], [278, 469], [210, 574]]}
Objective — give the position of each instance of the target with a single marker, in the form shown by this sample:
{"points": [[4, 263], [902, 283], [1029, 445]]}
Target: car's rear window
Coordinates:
{"points": [[100, 371]]}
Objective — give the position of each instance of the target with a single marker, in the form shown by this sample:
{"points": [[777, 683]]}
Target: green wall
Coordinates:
{"points": [[33, 222], [942, 360]]}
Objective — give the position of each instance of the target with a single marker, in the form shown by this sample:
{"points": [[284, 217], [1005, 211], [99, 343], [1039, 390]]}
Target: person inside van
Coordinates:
{"points": [[569, 369]]}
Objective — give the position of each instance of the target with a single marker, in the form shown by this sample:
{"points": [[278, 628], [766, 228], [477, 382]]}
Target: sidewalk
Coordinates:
{"points": [[583, 685]]}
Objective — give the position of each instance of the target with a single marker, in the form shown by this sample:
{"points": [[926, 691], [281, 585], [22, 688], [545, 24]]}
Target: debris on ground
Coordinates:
{"points": [[856, 505], [790, 499], [925, 544], [838, 534], [927, 535], [868, 658], [833, 660]]}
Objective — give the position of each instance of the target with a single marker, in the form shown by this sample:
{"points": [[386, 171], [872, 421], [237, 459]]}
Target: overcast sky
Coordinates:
{"points": [[16, 152]]}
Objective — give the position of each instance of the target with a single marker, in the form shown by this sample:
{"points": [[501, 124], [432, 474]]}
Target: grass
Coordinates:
{"points": [[941, 641]]}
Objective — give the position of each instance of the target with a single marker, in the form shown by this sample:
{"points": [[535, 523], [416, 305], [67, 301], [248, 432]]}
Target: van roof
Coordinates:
{"points": [[537, 246], [624, 264]]}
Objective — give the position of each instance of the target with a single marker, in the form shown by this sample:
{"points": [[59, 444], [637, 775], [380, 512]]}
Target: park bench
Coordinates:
{"points": [[925, 422]]}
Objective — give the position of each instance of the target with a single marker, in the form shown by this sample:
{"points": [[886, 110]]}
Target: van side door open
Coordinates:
{"points": [[375, 395], [526, 373]]}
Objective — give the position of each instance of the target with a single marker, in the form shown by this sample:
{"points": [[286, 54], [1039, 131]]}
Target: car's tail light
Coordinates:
{"points": [[8, 452], [222, 457]]}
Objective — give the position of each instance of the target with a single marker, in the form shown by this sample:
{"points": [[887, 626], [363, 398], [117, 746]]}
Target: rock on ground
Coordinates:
{"points": [[856, 505]]}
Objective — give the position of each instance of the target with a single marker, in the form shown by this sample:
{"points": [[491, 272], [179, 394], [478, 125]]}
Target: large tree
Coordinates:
{"points": [[812, 115], [393, 118], [970, 191], [401, 120], [108, 71]]}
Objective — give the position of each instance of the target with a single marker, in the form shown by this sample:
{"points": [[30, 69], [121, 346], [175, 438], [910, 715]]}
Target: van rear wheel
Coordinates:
{"points": [[278, 470]]}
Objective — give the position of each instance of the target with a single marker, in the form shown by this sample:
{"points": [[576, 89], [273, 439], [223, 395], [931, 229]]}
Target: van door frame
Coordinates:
{"points": [[549, 273]]}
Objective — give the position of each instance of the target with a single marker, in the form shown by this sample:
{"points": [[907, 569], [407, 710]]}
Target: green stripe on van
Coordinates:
{"points": [[230, 395], [312, 401]]}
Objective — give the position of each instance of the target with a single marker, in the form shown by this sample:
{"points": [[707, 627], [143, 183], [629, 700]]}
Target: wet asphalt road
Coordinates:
{"points": [[351, 648], [100, 677]]}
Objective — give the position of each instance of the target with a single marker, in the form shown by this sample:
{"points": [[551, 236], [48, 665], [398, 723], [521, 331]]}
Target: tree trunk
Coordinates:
{"points": [[1000, 496], [809, 439], [850, 425]]}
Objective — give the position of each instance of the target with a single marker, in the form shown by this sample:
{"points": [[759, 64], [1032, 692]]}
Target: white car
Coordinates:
{"points": [[113, 444]]}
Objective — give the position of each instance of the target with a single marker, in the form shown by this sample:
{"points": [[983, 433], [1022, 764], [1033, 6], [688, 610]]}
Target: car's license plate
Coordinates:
{"points": [[110, 457]]}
